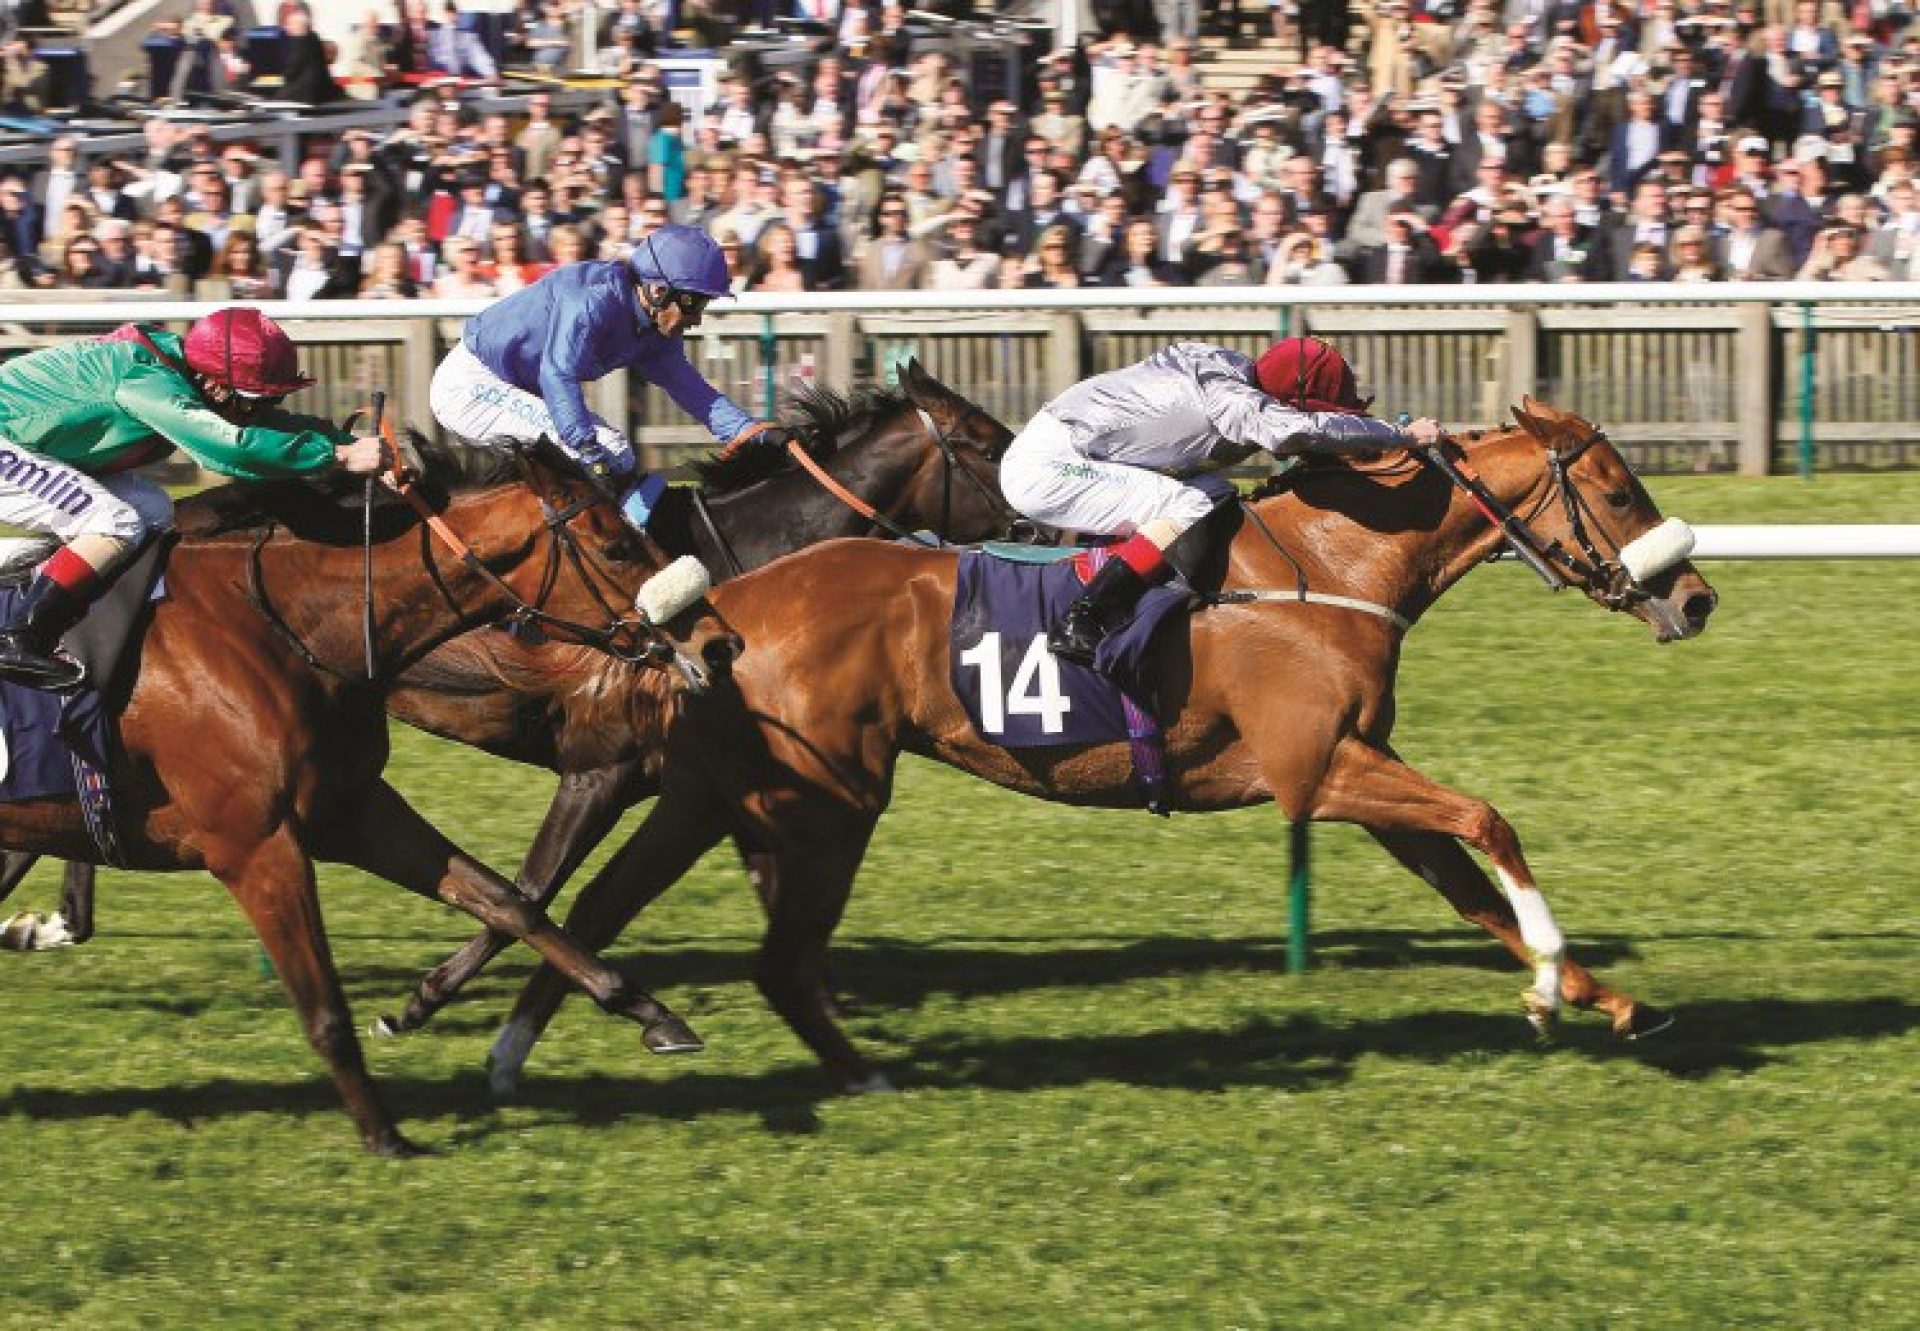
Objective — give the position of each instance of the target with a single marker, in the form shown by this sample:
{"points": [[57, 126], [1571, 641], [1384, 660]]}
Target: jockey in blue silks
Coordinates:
{"points": [[518, 372]]}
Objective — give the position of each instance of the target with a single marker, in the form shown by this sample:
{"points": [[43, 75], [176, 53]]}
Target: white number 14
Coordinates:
{"points": [[1037, 668]]}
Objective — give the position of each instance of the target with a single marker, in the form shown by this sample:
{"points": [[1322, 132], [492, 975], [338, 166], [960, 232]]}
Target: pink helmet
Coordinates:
{"points": [[1309, 375], [246, 351]]}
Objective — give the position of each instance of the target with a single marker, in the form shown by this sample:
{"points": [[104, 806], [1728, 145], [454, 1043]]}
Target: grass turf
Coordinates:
{"points": [[1117, 1109]]}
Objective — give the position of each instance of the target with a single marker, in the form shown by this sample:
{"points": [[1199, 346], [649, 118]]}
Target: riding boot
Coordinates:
{"points": [[30, 640], [1106, 601]]}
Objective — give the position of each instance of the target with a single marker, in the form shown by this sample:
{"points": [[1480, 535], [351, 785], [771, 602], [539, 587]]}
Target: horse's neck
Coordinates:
{"points": [[423, 593], [1397, 539], [786, 512]]}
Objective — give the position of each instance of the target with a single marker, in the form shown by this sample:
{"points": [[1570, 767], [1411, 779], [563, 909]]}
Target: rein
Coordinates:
{"points": [[1607, 579], [952, 464], [627, 638]]}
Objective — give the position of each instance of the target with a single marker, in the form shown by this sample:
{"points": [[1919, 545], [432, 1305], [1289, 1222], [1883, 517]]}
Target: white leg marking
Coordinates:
{"points": [[1541, 935], [509, 1055]]}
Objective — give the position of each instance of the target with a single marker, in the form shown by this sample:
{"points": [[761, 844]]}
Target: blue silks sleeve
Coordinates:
{"points": [[570, 341], [669, 369]]}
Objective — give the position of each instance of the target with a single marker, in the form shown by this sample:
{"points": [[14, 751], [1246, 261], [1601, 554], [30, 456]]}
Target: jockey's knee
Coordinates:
{"points": [[102, 552]]}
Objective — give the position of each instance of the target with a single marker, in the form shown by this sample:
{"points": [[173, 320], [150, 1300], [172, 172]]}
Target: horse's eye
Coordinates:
{"points": [[1619, 500]]}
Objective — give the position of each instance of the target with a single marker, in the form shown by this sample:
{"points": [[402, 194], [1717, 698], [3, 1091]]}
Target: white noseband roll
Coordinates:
{"points": [[674, 589], [1650, 555]]}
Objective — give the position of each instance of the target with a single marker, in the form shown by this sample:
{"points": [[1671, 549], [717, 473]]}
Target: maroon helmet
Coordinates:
{"points": [[1309, 375], [247, 352]]}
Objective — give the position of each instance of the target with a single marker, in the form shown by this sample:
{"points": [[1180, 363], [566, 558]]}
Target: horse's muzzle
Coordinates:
{"points": [[1683, 611]]}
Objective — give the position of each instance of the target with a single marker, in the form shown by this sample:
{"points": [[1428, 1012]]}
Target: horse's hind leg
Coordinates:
{"points": [[1447, 868], [385, 836], [76, 899], [1372, 787], [74, 921], [673, 837], [273, 883], [583, 811], [15, 865]]}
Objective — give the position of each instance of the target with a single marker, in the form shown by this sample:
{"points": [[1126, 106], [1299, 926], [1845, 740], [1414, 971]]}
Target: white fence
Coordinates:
{"points": [[1754, 377]]}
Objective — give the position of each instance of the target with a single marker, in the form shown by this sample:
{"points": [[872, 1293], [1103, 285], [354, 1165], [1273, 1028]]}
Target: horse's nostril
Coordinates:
{"points": [[1699, 606]]}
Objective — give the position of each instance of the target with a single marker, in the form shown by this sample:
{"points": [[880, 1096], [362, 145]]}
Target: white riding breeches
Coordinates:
{"points": [[42, 494], [1048, 480], [470, 400]]}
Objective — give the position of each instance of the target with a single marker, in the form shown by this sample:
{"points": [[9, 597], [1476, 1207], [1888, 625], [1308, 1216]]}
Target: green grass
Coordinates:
{"points": [[1118, 1109]]}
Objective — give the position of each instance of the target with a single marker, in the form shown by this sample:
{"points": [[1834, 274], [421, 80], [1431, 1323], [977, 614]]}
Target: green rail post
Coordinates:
{"points": [[1807, 373], [769, 360], [1299, 899]]}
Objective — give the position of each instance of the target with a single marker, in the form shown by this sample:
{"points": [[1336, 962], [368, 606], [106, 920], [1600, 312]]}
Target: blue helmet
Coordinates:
{"points": [[685, 258]]}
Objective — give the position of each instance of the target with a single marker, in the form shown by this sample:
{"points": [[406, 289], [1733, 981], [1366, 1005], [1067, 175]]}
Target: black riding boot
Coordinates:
{"points": [[29, 641], [1107, 599]]}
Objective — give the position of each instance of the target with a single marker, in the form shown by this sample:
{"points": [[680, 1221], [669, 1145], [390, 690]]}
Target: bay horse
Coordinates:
{"points": [[920, 458], [1269, 699], [253, 741]]}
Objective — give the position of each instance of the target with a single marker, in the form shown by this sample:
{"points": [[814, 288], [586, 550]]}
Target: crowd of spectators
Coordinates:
{"points": [[1445, 141]]}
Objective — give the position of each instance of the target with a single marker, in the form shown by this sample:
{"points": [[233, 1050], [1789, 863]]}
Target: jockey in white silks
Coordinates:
{"points": [[1129, 454]]}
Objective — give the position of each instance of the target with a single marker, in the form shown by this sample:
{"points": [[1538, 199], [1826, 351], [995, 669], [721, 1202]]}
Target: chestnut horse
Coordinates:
{"points": [[253, 742], [1268, 699], [920, 458]]}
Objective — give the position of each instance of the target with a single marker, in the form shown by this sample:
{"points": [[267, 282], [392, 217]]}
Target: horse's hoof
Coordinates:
{"points": [[1642, 1020], [396, 1146], [384, 1028], [1542, 1015], [873, 1084], [670, 1035], [502, 1080]]}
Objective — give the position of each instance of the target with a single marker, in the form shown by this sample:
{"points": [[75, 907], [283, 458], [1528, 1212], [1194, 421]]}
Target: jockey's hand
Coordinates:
{"points": [[769, 437], [366, 455], [1426, 432]]}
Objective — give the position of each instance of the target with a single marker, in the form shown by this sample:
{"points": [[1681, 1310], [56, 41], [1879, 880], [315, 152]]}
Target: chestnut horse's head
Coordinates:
{"points": [[655, 607], [1618, 548]]}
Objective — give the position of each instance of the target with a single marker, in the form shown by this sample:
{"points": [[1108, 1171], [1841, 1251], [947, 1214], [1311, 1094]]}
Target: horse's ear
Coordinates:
{"points": [[1524, 416], [914, 376]]}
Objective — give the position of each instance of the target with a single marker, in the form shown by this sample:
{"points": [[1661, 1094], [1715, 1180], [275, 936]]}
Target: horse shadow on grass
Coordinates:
{"points": [[1300, 1054]]}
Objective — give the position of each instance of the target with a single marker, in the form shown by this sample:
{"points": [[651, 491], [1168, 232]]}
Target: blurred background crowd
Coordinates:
{"points": [[847, 146]]}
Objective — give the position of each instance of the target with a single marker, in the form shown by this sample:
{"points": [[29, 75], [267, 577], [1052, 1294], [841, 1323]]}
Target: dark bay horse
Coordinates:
{"points": [[1285, 702], [253, 745], [922, 458]]}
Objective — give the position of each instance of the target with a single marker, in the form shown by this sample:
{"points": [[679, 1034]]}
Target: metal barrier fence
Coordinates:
{"points": [[1752, 378]]}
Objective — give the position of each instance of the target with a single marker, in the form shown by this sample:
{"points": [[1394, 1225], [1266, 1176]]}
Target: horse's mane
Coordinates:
{"points": [[819, 416], [327, 509], [1388, 462]]}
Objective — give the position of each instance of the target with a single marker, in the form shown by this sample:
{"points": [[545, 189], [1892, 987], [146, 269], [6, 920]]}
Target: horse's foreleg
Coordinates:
{"points": [[583, 811], [273, 884], [1447, 868], [1372, 787], [667, 844], [385, 836], [815, 879]]}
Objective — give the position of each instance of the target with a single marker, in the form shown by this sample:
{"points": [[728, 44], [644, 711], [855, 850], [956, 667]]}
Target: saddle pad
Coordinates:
{"points": [[45, 739], [1018, 694]]}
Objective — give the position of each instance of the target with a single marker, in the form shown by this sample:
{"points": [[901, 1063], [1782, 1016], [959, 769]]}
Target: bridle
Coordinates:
{"points": [[951, 465], [627, 636], [1602, 576]]}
